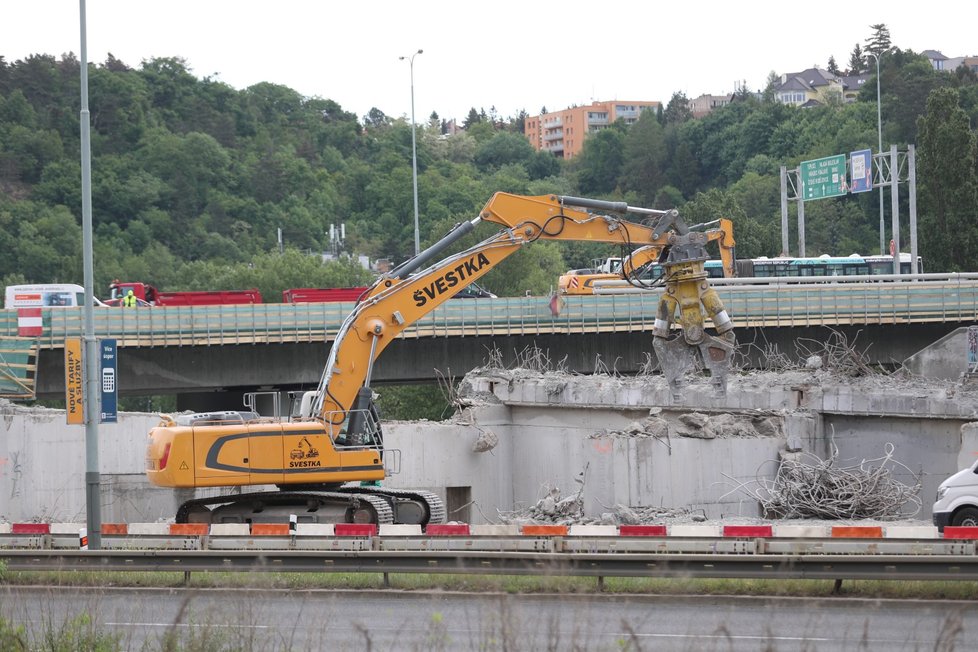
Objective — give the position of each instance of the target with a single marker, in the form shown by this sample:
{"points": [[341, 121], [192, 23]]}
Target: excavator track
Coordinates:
{"points": [[380, 510], [433, 504]]}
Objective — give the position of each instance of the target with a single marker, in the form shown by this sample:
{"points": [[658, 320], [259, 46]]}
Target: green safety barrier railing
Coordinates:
{"points": [[776, 305], [18, 363]]}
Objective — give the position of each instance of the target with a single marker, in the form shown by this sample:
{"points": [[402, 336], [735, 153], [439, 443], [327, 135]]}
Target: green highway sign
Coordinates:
{"points": [[823, 177]]}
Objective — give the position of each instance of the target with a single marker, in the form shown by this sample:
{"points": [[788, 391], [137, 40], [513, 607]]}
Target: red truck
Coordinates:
{"points": [[150, 295], [328, 295], [321, 295]]}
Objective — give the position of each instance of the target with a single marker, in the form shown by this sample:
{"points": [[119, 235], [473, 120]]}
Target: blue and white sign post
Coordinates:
{"points": [[861, 171], [108, 354]]}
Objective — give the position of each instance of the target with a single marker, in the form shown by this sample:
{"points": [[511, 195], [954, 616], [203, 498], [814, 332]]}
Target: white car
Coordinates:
{"points": [[957, 499]]}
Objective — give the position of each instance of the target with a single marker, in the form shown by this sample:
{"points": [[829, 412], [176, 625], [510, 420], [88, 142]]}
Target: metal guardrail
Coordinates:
{"points": [[770, 566], [828, 301]]}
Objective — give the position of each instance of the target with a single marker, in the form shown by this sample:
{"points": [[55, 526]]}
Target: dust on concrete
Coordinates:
{"points": [[699, 425]]}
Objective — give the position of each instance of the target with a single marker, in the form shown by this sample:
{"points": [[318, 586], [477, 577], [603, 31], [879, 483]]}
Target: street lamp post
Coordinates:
{"points": [[414, 157], [879, 132]]}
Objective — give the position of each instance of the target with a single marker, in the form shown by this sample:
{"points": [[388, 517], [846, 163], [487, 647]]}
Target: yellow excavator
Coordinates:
{"points": [[327, 461]]}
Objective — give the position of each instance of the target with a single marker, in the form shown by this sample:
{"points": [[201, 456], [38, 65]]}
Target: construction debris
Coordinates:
{"points": [[486, 441], [807, 487], [701, 426], [554, 509]]}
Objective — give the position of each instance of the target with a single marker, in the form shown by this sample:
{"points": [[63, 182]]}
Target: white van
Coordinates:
{"points": [[957, 499], [50, 295]]}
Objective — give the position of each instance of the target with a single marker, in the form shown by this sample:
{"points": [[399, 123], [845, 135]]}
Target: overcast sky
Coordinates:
{"points": [[511, 55]]}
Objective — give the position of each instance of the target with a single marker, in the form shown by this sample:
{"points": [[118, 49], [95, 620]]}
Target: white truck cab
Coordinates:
{"points": [[957, 499]]}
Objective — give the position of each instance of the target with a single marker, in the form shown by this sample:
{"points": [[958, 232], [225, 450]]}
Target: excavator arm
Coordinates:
{"points": [[406, 294]]}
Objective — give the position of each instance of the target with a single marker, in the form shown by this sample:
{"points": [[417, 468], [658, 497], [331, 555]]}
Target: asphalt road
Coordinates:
{"points": [[251, 620]]}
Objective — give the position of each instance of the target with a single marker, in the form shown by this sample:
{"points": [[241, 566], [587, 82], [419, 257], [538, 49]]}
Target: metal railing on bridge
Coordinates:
{"points": [[827, 301]]}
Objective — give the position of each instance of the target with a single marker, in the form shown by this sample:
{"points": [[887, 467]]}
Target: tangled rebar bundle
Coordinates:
{"points": [[806, 486]]}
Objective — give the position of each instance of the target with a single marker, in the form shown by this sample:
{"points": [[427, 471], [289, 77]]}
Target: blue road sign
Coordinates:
{"points": [[861, 171], [110, 396]]}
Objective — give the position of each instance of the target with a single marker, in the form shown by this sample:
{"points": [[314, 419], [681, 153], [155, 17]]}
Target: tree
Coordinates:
{"points": [[906, 81], [600, 161], [833, 67], [770, 87], [377, 119], [471, 119], [519, 122], [543, 165], [677, 110], [948, 169], [856, 63], [644, 156], [879, 42], [502, 149]]}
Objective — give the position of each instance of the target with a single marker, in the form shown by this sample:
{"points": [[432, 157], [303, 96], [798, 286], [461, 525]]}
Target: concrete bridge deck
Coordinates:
{"points": [[202, 348]]}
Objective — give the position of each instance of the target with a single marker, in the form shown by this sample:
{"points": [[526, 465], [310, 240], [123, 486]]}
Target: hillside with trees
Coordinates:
{"points": [[192, 179]]}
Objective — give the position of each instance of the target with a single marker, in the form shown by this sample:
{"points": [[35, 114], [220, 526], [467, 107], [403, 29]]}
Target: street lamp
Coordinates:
{"points": [[879, 131], [414, 157]]}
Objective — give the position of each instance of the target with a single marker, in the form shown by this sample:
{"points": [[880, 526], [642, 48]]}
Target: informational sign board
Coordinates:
{"points": [[861, 171], [823, 177], [74, 371], [107, 375]]}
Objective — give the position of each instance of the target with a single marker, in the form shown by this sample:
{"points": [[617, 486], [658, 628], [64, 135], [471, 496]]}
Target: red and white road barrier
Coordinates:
{"points": [[29, 322]]}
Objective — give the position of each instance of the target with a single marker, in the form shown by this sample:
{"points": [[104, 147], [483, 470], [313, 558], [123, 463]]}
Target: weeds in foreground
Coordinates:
{"points": [[499, 624], [513, 584]]}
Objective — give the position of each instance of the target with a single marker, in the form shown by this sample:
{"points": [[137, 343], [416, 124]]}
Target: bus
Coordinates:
{"points": [[825, 265], [581, 281]]}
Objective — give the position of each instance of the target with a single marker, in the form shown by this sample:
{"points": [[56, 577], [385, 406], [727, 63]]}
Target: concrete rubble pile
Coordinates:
{"points": [[554, 509], [701, 426]]}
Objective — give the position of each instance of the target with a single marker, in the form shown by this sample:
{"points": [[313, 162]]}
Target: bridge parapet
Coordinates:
{"points": [[815, 302]]}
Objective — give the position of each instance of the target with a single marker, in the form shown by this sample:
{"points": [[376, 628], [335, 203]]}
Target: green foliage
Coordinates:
{"points": [[413, 402], [644, 158], [879, 42], [78, 633], [949, 190], [600, 162], [192, 179], [503, 148], [12, 637]]}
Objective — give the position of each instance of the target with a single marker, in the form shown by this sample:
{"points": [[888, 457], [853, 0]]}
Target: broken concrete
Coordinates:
{"points": [[519, 435], [643, 451]]}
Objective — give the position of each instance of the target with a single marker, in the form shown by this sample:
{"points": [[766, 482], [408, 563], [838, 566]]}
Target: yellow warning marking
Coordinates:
{"points": [[183, 466]]}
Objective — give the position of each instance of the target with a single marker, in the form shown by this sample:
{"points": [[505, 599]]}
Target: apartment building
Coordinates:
{"points": [[705, 104], [562, 133]]}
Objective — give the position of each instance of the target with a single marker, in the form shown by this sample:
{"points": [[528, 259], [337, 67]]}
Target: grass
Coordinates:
{"points": [[952, 590], [196, 629]]}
